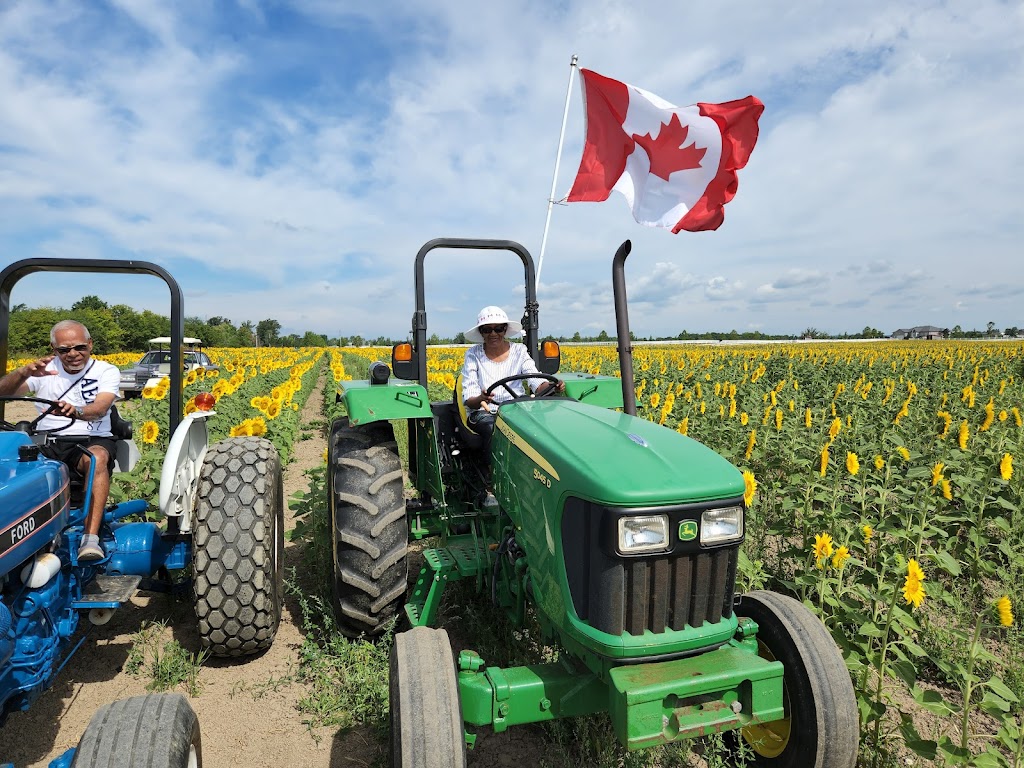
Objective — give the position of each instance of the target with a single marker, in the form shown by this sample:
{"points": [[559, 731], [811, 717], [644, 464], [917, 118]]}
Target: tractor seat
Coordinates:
{"points": [[470, 439]]}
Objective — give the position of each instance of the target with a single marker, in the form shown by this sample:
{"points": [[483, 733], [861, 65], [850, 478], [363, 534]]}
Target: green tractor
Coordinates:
{"points": [[620, 536]]}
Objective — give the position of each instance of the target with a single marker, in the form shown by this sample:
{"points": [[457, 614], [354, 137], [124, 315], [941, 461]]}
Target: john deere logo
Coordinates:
{"points": [[687, 530]]}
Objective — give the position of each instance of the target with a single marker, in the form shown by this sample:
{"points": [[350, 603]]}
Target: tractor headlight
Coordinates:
{"points": [[643, 533], [720, 526]]}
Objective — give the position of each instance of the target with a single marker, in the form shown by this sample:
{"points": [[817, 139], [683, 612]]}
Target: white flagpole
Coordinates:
{"points": [[554, 178]]}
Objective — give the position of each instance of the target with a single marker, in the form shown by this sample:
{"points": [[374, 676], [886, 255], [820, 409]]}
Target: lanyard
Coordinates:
{"points": [[76, 381]]}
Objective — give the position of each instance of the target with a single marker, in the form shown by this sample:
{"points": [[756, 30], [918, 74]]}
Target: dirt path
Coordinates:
{"points": [[247, 709]]}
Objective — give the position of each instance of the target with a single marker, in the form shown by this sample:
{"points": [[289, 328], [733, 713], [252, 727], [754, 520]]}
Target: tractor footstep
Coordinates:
{"points": [[108, 591]]}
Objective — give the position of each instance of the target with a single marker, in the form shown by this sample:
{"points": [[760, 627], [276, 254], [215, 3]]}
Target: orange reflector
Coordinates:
{"points": [[205, 401], [550, 349], [402, 352]]}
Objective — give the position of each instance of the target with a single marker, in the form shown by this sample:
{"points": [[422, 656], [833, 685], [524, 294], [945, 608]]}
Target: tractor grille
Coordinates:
{"points": [[685, 587]]}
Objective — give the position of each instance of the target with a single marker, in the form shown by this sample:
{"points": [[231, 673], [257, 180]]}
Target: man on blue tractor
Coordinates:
{"points": [[84, 390]]}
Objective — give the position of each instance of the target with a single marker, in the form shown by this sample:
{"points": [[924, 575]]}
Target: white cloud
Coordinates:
{"points": [[887, 169]]}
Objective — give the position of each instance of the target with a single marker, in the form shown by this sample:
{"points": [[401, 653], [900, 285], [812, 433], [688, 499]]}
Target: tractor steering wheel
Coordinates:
{"points": [[31, 427], [504, 383]]}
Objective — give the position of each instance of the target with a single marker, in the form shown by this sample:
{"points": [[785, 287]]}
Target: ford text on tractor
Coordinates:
{"points": [[222, 513], [620, 536]]}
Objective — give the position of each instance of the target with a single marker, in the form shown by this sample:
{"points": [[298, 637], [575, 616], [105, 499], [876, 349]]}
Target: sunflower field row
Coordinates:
{"points": [[883, 494], [258, 393]]}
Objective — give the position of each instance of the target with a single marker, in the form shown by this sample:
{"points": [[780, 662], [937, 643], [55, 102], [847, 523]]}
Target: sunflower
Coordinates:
{"points": [[257, 426], [840, 557], [778, 420], [903, 452], [937, 473], [744, 419], [150, 430], [822, 548], [964, 435], [852, 463], [1005, 608], [273, 409], [947, 490], [807, 418], [751, 442], [879, 461], [868, 532], [913, 586], [824, 461], [749, 487], [1006, 466], [684, 426], [834, 428]]}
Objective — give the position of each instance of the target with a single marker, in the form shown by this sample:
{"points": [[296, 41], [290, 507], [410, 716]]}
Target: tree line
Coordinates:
{"points": [[120, 328]]}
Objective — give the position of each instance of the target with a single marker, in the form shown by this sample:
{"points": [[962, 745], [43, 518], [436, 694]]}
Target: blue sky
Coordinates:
{"points": [[288, 159]]}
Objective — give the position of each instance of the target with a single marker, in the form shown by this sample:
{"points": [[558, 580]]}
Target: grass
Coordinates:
{"points": [[168, 665]]}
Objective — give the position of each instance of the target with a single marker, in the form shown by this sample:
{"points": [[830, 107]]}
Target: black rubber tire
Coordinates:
{"points": [[370, 537], [238, 546], [158, 730], [820, 702], [426, 717]]}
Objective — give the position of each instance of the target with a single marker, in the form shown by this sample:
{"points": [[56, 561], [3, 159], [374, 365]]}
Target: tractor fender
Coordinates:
{"points": [[366, 402], [179, 478]]}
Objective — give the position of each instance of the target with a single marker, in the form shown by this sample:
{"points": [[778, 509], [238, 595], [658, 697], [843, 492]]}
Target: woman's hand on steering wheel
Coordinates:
{"points": [[555, 386]]}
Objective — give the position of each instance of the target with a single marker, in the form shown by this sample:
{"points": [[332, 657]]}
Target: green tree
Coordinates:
{"points": [[267, 332], [107, 335], [29, 332], [245, 336], [89, 302]]}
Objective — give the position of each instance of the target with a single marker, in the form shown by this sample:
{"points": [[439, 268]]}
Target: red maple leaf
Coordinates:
{"points": [[667, 152]]}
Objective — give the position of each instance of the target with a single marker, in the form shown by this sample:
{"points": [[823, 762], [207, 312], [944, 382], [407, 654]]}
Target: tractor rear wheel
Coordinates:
{"points": [[370, 531], [820, 727], [159, 730], [238, 540], [426, 719]]}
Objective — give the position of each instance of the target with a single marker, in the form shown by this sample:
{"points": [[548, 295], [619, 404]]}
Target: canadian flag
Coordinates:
{"points": [[676, 166]]}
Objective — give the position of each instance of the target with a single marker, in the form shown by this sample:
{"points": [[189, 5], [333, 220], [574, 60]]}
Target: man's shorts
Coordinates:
{"points": [[67, 449]]}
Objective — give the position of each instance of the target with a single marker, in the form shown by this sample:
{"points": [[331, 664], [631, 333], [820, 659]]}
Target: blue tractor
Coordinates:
{"points": [[222, 513]]}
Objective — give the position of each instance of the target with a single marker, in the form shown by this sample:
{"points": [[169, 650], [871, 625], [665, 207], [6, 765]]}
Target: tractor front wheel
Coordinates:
{"points": [[238, 540], [819, 729], [370, 531], [159, 730], [426, 719]]}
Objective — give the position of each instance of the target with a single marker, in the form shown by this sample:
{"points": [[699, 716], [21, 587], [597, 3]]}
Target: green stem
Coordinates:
{"points": [[968, 688], [881, 675]]}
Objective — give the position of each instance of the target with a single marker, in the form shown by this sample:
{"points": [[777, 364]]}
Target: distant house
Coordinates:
{"points": [[919, 332]]}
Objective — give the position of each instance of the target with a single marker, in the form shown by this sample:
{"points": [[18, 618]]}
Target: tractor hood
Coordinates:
{"points": [[615, 458], [33, 500]]}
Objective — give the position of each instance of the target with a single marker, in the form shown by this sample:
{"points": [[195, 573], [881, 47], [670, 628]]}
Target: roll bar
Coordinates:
{"points": [[11, 274]]}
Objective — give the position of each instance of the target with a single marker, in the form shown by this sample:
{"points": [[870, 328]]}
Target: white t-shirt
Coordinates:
{"points": [[97, 377], [479, 372]]}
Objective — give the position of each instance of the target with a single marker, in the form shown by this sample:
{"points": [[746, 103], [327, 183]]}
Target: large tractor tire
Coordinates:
{"points": [[370, 530], [426, 718], [820, 729], [238, 539], [159, 730]]}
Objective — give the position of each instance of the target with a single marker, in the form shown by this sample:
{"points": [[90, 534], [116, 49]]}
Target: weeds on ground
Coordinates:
{"points": [[346, 679], [168, 665]]}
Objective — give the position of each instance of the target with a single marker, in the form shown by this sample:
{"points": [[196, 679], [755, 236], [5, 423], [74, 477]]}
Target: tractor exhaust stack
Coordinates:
{"points": [[622, 327]]}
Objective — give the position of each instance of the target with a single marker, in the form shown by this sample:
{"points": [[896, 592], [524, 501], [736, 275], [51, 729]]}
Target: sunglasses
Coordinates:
{"points": [[486, 329], [76, 348]]}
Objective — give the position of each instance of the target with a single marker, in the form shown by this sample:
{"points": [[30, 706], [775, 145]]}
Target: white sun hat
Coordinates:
{"points": [[492, 316]]}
